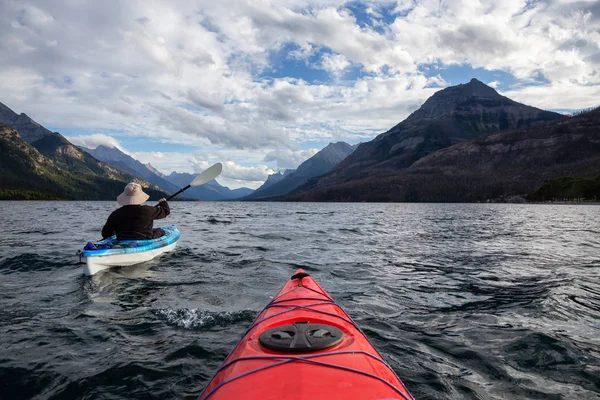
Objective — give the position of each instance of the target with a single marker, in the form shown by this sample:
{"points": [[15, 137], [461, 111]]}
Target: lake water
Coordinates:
{"points": [[465, 301]]}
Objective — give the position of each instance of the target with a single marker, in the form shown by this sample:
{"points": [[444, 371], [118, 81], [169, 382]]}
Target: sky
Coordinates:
{"points": [[261, 86]]}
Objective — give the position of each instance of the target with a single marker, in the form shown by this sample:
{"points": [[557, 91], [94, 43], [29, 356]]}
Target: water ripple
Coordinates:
{"points": [[465, 301]]}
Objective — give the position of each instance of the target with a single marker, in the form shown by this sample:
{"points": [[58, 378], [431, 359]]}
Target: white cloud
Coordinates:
{"points": [[198, 165], [256, 174], [194, 72], [493, 84], [211, 101], [335, 64], [233, 174], [557, 96], [289, 159], [95, 140], [404, 5], [552, 38]]}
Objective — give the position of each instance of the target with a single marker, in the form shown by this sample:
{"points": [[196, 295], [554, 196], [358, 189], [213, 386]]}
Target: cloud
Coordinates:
{"points": [[210, 101], [557, 96], [252, 132], [203, 73], [335, 64], [198, 165], [551, 38], [95, 140], [327, 26], [32, 17], [493, 84], [233, 172], [289, 159], [259, 173]]}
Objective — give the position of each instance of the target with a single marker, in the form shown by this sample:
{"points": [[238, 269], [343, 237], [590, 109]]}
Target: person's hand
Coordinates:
{"points": [[161, 200]]}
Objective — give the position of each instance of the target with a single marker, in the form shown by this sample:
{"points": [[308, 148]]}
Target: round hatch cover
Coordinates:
{"points": [[301, 337]]}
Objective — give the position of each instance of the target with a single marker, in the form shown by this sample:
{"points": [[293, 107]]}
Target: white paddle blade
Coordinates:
{"points": [[208, 174]]}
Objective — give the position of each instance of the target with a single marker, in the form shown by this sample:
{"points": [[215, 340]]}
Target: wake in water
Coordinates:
{"points": [[201, 319]]}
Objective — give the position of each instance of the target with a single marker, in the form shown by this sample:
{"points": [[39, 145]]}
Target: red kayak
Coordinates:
{"points": [[304, 346]]}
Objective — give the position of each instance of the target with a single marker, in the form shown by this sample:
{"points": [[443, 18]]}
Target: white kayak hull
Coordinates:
{"points": [[94, 265], [111, 252]]}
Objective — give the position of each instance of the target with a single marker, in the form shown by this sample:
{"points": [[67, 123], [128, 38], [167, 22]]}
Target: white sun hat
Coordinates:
{"points": [[133, 194]]}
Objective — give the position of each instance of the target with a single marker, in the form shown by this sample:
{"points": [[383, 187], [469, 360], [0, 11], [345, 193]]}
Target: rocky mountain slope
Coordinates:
{"points": [[56, 170], [123, 162], [453, 115], [28, 129], [491, 168]]}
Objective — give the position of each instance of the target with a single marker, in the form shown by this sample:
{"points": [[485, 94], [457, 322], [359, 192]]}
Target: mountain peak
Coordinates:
{"points": [[446, 101], [105, 147], [474, 88], [5, 108], [333, 145], [152, 169], [28, 129], [478, 89]]}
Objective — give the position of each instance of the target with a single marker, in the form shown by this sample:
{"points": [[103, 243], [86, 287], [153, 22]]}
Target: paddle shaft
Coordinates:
{"points": [[180, 191]]}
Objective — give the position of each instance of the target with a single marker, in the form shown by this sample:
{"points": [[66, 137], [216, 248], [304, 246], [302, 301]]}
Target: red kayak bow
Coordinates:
{"points": [[304, 346]]}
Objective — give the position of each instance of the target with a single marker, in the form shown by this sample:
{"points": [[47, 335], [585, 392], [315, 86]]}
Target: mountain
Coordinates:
{"points": [[73, 160], [210, 191], [240, 192], [157, 172], [453, 115], [172, 183], [28, 129], [119, 160], [317, 165], [553, 160], [274, 178], [46, 165], [27, 173]]}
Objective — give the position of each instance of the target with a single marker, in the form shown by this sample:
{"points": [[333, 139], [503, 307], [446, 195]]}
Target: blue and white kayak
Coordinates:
{"points": [[111, 252]]}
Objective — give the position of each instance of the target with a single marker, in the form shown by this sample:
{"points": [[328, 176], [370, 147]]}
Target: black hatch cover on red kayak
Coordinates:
{"points": [[301, 337]]}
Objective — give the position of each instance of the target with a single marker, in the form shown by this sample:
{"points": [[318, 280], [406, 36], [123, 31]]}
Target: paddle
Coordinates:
{"points": [[207, 175]]}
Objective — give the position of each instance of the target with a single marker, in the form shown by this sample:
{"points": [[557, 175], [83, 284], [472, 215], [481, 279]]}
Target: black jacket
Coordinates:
{"points": [[134, 222]]}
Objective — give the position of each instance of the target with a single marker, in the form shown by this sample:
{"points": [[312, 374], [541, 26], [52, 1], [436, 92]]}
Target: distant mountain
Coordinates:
{"points": [[275, 178], [549, 161], [117, 159], [157, 172], [210, 191], [453, 115], [171, 183], [240, 192], [28, 129], [317, 165], [55, 170]]}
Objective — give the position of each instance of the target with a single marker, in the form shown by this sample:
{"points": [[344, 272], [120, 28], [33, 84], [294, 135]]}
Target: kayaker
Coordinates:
{"points": [[133, 221]]}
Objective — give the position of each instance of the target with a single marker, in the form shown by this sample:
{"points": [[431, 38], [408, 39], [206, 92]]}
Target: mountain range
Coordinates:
{"points": [[453, 149], [37, 163], [52, 168], [124, 162], [210, 191], [319, 164], [465, 143]]}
